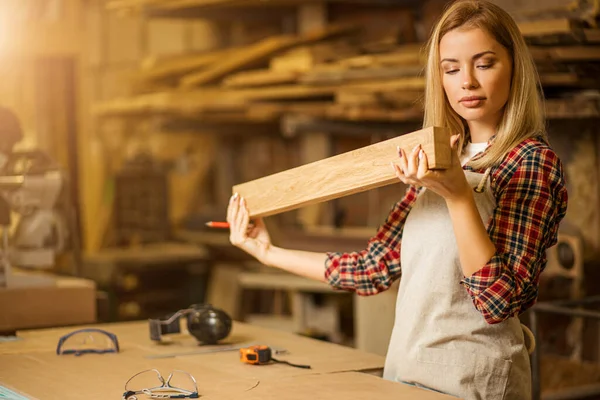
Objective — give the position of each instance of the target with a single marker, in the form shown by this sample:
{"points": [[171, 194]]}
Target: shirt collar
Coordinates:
{"points": [[480, 154]]}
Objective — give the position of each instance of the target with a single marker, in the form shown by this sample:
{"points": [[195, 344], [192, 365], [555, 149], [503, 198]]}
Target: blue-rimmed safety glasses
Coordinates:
{"points": [[89, 340], [179, 385]]}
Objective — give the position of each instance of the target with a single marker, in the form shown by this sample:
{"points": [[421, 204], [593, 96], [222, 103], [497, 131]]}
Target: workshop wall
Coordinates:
{"points": [[38, 50], [119, 44], [116, 47]]}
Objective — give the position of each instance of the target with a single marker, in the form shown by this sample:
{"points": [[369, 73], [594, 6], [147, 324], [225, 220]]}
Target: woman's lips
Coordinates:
{"points": [[472, 102]]}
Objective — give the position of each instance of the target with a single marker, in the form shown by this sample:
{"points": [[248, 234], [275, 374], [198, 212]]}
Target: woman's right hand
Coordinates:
{"points": [[253, 239]]}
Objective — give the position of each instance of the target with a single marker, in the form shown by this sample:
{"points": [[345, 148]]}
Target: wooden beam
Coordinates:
{"points": [[201, 5], [260, 77], [560, 26], [560, 79], [305, 58], [308, 91], [259, 52], [249, 56], [174, 66], [120, 5], [409, 54], [565, 53], [332, 76], [341, 175], [570, 108], [213, 98], [592, 35]]}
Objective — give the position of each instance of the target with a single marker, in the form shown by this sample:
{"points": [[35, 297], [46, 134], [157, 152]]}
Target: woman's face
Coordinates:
{"points": [[476, 74]]}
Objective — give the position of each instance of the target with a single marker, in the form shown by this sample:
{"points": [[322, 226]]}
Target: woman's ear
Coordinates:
{"points": [[454, 141]]}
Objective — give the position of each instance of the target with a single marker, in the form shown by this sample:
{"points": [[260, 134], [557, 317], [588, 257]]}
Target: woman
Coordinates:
{"points": [[469, 241]]}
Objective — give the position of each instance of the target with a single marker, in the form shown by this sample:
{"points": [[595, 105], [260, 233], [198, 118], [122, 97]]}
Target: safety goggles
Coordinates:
{"points": [[88, 340], [178, 385]]}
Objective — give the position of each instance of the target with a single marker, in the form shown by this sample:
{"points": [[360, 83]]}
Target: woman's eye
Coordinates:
{"points": [[484, 66], [451, 71]]}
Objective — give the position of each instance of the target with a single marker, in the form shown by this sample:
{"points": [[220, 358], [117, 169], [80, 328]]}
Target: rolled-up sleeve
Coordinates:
{"points": [[525, 223], [374, 269]]}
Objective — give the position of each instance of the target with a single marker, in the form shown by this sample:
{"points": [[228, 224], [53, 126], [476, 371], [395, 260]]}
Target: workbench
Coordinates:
{"points": [[30, 367]]}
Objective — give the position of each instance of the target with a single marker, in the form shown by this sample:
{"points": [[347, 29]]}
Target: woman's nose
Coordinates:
{"points": [[469, 81]]}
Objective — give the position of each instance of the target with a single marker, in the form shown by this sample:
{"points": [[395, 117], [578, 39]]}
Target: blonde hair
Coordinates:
{"points": [[523, 115]]}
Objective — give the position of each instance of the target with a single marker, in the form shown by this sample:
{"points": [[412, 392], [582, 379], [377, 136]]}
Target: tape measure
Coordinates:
{"points": [[261, 355]]}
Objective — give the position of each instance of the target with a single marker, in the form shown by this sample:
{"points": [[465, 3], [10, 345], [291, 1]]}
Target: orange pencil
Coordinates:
{"points": [[225, 225], [217, 224]]}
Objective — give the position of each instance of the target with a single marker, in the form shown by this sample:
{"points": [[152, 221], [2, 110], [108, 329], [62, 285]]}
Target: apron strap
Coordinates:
{"points": [[530, 339], [481, 186]]}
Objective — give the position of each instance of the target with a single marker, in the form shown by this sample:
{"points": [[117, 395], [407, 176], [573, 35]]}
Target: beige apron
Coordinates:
{"points": [[440, 341]]}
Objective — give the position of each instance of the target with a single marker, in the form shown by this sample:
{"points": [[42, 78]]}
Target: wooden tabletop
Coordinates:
{"points": [[29, 366]]}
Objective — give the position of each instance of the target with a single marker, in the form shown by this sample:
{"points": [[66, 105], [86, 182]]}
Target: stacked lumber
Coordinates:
{"points": [[327, 74]]}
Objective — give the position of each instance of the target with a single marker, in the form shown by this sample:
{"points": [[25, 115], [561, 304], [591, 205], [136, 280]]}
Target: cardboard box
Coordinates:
{"points": [[58, 302]]}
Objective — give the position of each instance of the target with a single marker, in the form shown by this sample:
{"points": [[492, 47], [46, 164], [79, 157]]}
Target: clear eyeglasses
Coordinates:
{"points": [[179, 385], [89, 340]]}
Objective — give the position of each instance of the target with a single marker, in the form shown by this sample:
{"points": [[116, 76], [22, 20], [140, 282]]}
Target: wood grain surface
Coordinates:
{"points": [[341, 175]]}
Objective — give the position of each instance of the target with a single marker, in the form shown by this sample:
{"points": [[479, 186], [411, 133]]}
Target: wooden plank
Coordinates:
{"points": [[260, 77], [410, 54], [560, 79], [553, 31], [200, 5], [171, 5], [305, 58], [341, 175], [298, 59], [122, 5], [559, 26], [572, 108], [362, 113], [155, 68], [576, 53], [330, 76], [240, 59], [285, 92], [301, 58], [349, 98], [214, 99], [305, 91], [394, 98], [165, 5], [258, 52], [565, 53], [592, 35]]}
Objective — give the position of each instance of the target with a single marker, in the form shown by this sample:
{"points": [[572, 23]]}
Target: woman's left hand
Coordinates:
{"points": [[413, 169]]}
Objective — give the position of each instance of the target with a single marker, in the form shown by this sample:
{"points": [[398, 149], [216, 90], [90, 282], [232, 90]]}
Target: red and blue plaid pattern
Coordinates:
{"points": [[531, 196], [373, 270]]}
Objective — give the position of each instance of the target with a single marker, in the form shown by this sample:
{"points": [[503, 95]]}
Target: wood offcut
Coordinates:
{"points": [[341, 175]]}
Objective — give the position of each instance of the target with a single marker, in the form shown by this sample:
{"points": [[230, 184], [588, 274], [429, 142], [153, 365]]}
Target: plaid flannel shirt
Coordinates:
{"points": [[531, 197]]}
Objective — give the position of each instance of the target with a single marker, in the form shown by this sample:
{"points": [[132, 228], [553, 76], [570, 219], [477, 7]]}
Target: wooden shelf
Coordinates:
{"points": [[283, 75], [576, 108], [228, 9]]}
